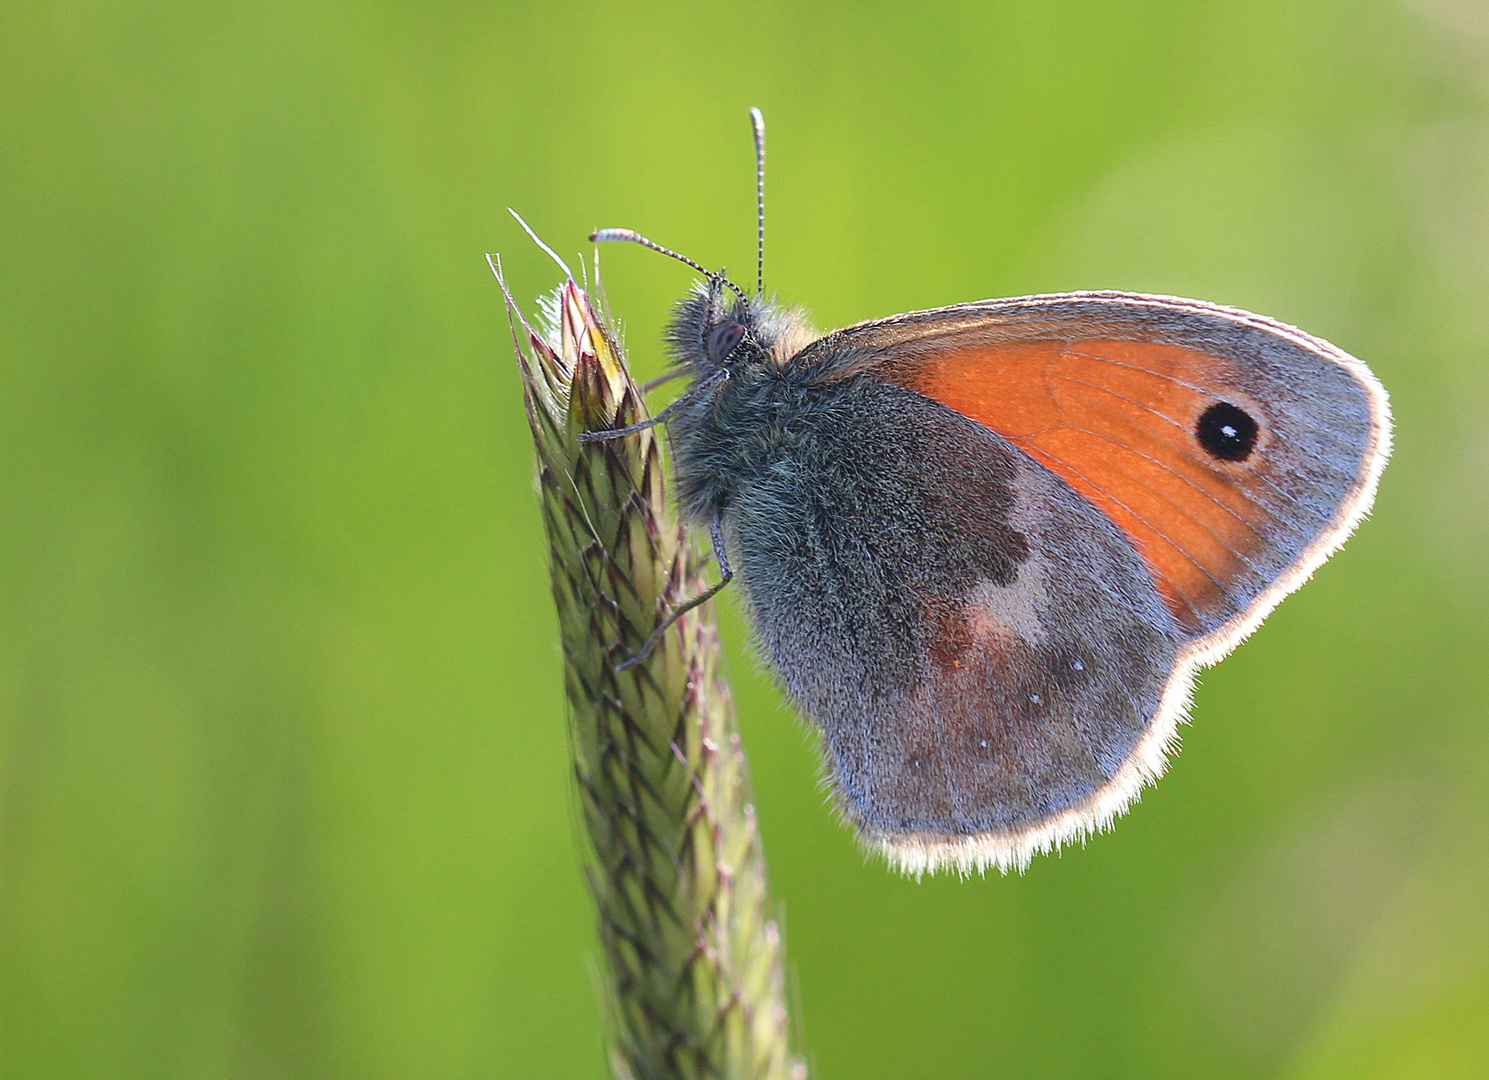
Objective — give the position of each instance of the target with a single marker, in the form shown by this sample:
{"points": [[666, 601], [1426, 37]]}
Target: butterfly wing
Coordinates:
{"points": [[1235, 452], [989, 589]]}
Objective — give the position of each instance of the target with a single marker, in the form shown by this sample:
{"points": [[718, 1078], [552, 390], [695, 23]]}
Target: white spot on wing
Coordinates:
{"points": [[1009, 611]]}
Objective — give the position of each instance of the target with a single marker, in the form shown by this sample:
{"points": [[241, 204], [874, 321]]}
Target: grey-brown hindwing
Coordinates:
{"points": [[981, 648]]}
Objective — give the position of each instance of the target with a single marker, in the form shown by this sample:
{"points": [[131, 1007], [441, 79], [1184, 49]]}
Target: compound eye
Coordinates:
{"points": [[723, 339]]}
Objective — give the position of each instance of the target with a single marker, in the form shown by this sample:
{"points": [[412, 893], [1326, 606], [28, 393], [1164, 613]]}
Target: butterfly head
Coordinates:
{"points": [[714, 329]]}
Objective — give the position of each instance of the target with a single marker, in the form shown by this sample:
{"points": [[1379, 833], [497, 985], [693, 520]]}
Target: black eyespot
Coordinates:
{"points": [[1226, 432], [723, 339]]}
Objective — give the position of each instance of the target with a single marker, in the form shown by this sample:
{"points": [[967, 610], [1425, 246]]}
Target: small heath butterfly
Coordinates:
{"points": [[986, 547]]}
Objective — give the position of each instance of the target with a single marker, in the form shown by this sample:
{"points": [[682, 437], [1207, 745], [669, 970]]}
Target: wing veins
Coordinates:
{"points": [[1159, 533], [1175, 423]]}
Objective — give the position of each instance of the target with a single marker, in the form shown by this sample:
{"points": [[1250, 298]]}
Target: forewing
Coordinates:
{"points": [[1113, 392]]}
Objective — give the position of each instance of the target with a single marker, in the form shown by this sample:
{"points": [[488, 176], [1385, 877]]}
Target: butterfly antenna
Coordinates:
{"points": [[634, 237], [757, 121]]}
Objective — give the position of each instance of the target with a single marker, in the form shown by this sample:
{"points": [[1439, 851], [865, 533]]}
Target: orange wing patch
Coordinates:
{"points": [[1116, 420]]}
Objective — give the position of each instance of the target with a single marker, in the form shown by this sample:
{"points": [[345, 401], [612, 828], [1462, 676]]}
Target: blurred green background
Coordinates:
{"points": [[283, 784]]}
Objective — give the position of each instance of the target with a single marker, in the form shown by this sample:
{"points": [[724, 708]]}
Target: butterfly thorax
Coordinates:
{"points": [[747, 402]]}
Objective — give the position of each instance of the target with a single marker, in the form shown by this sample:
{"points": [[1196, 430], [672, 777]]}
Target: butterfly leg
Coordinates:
{"points": [[726, 575], [696, 390]]}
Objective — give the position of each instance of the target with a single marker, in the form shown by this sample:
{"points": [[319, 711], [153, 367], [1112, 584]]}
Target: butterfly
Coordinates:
{"points": [[985, 547]]}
